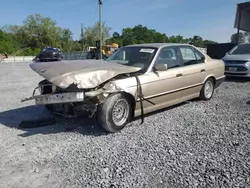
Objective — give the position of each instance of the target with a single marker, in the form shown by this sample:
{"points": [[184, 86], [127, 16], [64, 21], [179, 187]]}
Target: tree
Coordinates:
{"points": [[91, 34], [42, 31], [115, 39], [6, 44], [116, 35], [141, 34], [234, 38], [247, 36], [197, 41], [38, 32], [66, 40]]}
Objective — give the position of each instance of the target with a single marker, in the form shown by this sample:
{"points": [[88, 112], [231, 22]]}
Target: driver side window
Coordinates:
{"points": [[168, 56]]}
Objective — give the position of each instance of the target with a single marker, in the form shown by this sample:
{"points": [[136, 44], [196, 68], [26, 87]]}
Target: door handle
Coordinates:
{"points": [[203, 70], [178, 75]]}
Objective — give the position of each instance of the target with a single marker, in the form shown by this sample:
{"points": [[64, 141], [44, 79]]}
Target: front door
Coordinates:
{"points": [[163, 88]]}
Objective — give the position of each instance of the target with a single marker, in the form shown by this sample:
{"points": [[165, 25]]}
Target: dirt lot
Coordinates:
{"points": [[195, 144]]}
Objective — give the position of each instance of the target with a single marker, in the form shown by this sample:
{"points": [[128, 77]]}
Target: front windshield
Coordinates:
{"points": [[134, 56], [241, 49]]}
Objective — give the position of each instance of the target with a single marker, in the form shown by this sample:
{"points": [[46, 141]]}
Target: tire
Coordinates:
{"points": [[106, 112], [207, 90]]}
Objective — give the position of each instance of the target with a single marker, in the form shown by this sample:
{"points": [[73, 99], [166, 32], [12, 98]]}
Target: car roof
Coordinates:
{"points": [[157, 45]]}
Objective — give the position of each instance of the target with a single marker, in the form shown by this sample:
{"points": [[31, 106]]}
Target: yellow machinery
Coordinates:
{"points": [[108, 50]]}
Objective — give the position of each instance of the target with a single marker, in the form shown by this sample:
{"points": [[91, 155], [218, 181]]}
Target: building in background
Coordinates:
{"points": [[242, 18]]}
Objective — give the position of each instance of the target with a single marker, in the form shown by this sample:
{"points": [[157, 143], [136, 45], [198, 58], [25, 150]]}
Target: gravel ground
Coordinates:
{"points": [[195, 144]]}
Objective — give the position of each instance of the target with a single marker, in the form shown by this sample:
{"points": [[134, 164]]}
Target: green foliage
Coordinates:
{"points": [[141, 34], [37, 32], [7, 45], [243, 37], [91, 34]]}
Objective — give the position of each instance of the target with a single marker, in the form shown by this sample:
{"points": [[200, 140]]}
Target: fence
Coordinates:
{"points": [[66, 56], [17, 59], [75, 55], [78, 55]]}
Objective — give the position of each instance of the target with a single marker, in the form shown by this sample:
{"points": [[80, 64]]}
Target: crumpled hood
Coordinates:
{"points": [[85, 74]]}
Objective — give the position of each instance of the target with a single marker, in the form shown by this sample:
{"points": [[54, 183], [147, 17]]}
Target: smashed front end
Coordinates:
{"points": [[69, 102], [73, 88]]}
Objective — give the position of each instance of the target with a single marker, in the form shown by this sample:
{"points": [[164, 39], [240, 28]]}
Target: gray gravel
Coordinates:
{"points": [[195, 144]]}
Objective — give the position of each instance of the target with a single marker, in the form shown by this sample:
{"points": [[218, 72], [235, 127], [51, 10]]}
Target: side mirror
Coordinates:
{"points": [[161, 67]]}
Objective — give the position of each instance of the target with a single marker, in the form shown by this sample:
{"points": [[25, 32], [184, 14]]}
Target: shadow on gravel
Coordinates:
{"points": [[84, 125], [237, 79], [162, 110], [248, 102], [13, 118]]}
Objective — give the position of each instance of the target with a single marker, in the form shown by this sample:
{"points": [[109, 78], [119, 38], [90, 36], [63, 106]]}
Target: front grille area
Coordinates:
{"points": [[46, 55], [240, 74], [236, 62], [239, 68]]}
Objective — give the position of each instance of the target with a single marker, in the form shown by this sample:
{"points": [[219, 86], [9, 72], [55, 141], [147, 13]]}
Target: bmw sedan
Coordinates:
{"points": [[134, 81]]}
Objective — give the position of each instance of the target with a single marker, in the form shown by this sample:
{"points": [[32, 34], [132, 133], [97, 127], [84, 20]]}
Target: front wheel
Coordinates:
{"points": [[115, 113], [207, 90]]}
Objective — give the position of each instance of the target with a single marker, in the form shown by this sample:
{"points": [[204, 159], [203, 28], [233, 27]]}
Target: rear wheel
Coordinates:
{"points": [[207, 90], [115, 113]]}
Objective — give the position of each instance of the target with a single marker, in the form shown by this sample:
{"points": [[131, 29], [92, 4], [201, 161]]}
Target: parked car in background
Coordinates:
{"points": [[237, 61], [135, 80], [49, 54]]}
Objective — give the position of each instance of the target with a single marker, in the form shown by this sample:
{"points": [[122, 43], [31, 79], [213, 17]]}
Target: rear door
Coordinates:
{"points": [[194, 71]]}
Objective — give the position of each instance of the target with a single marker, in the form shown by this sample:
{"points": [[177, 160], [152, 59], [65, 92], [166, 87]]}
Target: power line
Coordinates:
{"points": [[95, 15]]}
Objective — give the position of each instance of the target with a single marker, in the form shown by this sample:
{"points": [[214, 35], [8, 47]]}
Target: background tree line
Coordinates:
{"points": [[37, 32]]}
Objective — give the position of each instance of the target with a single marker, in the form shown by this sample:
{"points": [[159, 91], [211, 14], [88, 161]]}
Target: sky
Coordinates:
{"points": [[212, 20]]}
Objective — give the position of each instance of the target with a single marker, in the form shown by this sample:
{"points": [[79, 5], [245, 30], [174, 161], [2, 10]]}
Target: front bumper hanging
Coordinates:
{"points": [[56, 98]]}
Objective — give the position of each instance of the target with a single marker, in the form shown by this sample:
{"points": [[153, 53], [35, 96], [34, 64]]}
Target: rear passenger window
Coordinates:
{"points": [[188, 56], [200, 57], [191, 56]]}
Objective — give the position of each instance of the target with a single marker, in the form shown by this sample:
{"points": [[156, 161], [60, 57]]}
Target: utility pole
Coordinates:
{"points": [[100, 26], [82, 36]]}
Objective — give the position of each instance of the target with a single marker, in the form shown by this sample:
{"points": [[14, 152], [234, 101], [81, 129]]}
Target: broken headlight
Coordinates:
{"points": [[110, 86], [46, 89]]}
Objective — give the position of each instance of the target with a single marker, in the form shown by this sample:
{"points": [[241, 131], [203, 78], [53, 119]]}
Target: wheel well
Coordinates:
{"points": [[213, 78], [132, 100]]}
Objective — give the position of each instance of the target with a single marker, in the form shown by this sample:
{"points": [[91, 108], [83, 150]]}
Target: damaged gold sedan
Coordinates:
{"points": [[135, 80]]}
